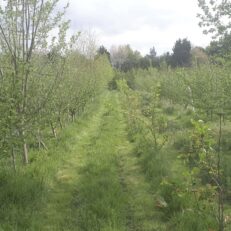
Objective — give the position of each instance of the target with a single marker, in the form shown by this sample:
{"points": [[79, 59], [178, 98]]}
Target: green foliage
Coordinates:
{"points": [[215, 17], [168, 104], [27, 196], [103, 51], [43, 85], [169, 109], [192, 221], [181, 56], [220, 48], [181, 141], [106, 172], [174, 197]]}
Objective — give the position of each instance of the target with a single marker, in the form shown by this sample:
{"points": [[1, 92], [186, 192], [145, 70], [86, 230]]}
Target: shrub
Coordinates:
{"points": [[173, 194], [181, 141], [169, 110], [112, 85]]}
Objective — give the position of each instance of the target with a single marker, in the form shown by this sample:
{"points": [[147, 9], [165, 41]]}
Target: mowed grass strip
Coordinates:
{"points": [[112, 193], [58, 212], [99, 201]]}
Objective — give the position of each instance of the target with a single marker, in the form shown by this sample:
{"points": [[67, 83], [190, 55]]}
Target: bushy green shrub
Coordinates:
{"points": [[169, 110], [175, 197], [181, 141], [174, 125], [112, 84]]}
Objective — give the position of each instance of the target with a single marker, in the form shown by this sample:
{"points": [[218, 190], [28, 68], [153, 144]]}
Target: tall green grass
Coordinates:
{"points": [[24, 194]]}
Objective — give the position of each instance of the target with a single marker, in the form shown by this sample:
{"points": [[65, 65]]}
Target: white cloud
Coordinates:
{"points": [[140, 23]]}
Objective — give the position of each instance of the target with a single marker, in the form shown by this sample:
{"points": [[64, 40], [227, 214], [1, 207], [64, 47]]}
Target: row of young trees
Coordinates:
{"points": [[191, 106], [183, 111], [45, 79]]}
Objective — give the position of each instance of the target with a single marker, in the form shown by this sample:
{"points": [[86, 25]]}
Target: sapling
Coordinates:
{"points": [[205, 164], [219, 177]]}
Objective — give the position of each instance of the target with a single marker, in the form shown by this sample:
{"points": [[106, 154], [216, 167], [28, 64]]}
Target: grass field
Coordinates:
{"points": [[97, 177], [90, 179]]}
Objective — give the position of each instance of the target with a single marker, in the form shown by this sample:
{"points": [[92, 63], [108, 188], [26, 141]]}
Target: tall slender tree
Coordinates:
{"points": [[25, 26]]}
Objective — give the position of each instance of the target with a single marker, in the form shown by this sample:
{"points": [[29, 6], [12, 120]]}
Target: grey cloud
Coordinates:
{"points": [[113, 18], [142, 23]]}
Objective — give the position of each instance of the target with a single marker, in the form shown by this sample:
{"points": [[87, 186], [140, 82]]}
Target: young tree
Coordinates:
{"points": [[25, 26]]}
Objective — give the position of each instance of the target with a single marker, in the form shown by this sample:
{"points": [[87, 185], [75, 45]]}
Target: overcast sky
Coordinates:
{"points": [[140, 23]]}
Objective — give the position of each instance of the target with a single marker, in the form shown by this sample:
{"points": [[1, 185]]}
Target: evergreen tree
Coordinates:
{"points": [[181, 53]]}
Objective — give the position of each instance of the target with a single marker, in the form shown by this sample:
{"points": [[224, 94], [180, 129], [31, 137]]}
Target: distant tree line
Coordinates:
{"points": [[124, 58], [183, 54]]}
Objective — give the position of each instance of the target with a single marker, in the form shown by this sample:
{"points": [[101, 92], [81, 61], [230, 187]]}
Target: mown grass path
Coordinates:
{"points": [[100, 186]]}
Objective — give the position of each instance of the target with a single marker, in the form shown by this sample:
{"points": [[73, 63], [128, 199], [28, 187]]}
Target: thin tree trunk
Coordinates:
{"points": [[39, 140], [25, 153], [60, 122], [44, 145], [220, 186], [25, 149], [53, 130], [13, 158], [72, 117]]}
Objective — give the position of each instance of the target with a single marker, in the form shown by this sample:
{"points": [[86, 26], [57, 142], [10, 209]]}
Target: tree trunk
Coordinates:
{"points": [[13, 158], [220, 185], [53, 130], [25, 153], [44, 145], [60, 122], [39, 140], [72, 117], [25, 149]]}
